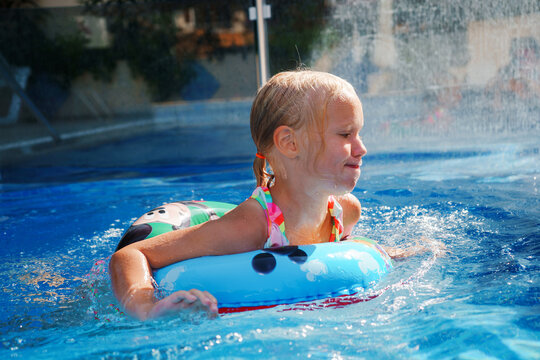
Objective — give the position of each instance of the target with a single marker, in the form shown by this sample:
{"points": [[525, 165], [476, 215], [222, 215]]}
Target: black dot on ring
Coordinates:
{"points": [[298, 256], [263, 263], [283, 250], [162, 211]]}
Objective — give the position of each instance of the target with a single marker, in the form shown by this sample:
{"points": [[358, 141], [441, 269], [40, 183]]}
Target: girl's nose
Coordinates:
{"points": [[358, 148]]}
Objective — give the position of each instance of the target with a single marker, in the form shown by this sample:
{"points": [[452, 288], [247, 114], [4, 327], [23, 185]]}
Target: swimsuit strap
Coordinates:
{"points": [[274, 218], [276, 222], [336, 211]]}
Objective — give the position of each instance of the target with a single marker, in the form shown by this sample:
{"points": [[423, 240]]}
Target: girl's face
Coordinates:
{"points": [[338, 165]]}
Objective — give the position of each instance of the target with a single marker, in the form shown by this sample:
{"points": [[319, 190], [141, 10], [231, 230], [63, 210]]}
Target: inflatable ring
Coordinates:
{"points": [[262, 278]]}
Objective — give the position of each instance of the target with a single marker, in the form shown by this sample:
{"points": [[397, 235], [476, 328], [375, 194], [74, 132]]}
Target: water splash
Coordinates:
{"points": [[435, 69]]}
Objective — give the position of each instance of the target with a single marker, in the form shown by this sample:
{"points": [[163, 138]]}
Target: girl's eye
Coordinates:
{"points": [[345, 135]]}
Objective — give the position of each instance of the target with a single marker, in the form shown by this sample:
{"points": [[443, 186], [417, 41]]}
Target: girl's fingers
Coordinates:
{"points": [[184, 296], [194, 300], [206, 299], [213, 306], [210, 297]]}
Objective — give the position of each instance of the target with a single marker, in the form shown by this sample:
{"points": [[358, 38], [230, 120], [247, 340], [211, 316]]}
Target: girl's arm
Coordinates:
{"points": [[242, 229]]}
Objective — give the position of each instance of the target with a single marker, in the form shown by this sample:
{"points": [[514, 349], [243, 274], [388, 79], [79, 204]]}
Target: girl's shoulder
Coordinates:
{"points": [[349, 203], [248, 210], [351, 211], [250, 215]]}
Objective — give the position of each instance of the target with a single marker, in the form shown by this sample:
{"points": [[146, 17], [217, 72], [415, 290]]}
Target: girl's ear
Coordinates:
{"points": [[285, 141]]}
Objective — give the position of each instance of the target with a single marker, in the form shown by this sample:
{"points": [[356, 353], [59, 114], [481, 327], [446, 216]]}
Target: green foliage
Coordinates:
{"points": [[295, 28], [144, 35], [23, 42]]}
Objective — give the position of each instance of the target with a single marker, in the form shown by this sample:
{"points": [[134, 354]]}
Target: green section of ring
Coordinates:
{"points": [[159, 228], [199, 216]]}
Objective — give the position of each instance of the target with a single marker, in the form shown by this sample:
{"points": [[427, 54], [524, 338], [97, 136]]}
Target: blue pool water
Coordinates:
{"points": [[480, 299]]}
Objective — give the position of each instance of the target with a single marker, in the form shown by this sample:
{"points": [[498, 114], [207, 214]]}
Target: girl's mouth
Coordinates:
{"points": [[353, 165]]}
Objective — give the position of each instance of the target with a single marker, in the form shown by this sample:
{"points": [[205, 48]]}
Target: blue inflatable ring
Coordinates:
{"points": [[267, 277]]}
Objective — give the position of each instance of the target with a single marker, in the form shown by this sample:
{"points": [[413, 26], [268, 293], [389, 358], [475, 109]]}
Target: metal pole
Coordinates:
{"points": [[14, 85], [262, 40]]}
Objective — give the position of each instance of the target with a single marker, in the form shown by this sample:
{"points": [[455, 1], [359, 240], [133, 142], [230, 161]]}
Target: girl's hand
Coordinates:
{"points": [[193, 300]]}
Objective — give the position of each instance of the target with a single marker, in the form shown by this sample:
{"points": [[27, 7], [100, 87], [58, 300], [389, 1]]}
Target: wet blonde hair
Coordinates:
{"points": [[295, 99]]}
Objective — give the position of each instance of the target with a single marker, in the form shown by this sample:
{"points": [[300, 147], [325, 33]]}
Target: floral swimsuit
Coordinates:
{"points": [[276, 223]]}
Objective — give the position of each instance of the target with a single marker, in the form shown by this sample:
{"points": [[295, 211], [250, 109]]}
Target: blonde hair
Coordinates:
{"points": [[295, 99]]}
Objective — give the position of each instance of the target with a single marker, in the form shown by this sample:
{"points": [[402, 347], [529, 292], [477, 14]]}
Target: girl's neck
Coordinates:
{"points": [[305, 211]]}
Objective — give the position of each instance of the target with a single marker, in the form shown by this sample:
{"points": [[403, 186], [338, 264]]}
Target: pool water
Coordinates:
{"points": [[479, 299]]}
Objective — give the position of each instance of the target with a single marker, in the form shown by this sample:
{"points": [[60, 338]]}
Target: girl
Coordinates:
{"points": [[306, 127]]}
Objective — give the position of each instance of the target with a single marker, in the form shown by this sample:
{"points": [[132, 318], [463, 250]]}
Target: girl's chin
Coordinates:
{"points": [[335, 186], [345, 188]]}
